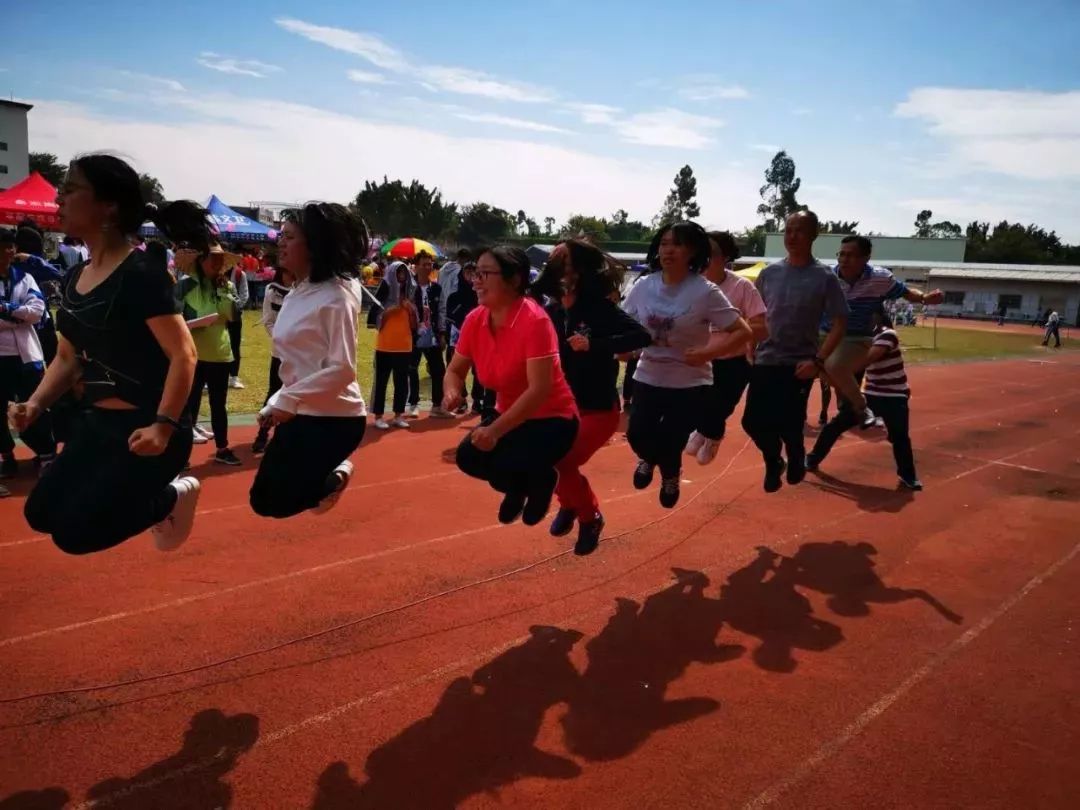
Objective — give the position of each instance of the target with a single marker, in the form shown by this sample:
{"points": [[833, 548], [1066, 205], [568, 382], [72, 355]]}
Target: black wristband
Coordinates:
{"points": [[162, 419]]}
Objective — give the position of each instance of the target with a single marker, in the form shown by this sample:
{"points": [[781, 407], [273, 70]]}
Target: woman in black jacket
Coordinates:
{"points": [[580, 282]]}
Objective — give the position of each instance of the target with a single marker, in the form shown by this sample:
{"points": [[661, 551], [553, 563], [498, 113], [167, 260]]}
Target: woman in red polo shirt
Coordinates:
{"points": [[512, 344]]}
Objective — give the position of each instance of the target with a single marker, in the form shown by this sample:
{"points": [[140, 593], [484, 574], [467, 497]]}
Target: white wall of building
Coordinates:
{"points": [[15, 158], [981, 298]]}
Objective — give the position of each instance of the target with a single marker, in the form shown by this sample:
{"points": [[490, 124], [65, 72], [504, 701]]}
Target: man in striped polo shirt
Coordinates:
{"points": [[866, 288], [887, 394]]}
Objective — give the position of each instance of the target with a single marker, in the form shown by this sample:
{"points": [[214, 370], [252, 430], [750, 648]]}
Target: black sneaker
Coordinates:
{"points": [[462, 409], [796, 470], [563, 522], [669, 491], [812, 462], [773, 471], [588, 536], [643, 475], [510, 508], [914, 484], [9, 467], [228, 457], [258, 447], [539, 501]]}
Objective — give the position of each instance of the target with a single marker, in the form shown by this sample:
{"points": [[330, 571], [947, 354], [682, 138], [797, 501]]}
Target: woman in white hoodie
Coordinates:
{"points": [[318, 412]]}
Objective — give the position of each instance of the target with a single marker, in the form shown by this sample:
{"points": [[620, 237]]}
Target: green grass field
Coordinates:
{"points": [[952, 345]]}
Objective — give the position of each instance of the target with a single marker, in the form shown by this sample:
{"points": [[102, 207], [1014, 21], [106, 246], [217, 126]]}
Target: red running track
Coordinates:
{"points": [[839, 643]]}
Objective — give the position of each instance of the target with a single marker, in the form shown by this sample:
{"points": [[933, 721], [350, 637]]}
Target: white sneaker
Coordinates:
{"points": [[413, 412], [399, 423], [344, 470], [439, 412], [198, 437], [171, 533], [707, 453], [381, 424], [234, 382], [694, 444]]}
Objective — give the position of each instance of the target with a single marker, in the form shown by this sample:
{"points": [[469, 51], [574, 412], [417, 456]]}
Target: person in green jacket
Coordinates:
{"points": [[210, 304]]}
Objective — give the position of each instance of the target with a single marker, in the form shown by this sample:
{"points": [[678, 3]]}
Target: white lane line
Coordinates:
{"points": [[886, 701]]}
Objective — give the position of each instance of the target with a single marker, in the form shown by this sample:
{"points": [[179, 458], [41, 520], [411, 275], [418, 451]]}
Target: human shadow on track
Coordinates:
{"points": [[194, 775], [48, 799], [866, 497], [845, 572], [481, 735], [760, 600], [620, 701]]}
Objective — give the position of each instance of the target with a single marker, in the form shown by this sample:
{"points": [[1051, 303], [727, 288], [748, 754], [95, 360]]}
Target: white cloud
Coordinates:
{"points": [[1022, 133], [169, 84], [507, 121], [594, 113], [366, 77], [434, 78], [771, 148], [236, 67], [710, 88], [669, 127]]}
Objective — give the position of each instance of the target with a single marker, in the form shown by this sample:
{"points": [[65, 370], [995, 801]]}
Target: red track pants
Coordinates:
{"points": [[573, 491]]}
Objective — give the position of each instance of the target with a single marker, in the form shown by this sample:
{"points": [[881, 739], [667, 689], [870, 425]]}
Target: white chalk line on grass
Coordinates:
{"points": [[181, 601], [886, 701]]}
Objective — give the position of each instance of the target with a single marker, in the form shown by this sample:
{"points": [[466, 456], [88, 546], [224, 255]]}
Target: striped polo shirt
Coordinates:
{"points": [[870, 290], [886, 377]]}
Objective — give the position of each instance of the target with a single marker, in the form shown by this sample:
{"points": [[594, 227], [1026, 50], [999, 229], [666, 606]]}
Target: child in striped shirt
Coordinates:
{"points": [[887, 394]]}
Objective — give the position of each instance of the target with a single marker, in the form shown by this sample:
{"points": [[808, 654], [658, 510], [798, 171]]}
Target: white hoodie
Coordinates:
{"points": [[315, 338]]}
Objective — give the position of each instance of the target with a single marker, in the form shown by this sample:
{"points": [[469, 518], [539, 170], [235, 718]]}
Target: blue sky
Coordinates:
{"points": [[971, 109]]}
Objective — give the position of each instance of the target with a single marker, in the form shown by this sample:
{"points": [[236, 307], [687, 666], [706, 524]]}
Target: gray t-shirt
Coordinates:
{"points": [[679, 317], [796, 300]]}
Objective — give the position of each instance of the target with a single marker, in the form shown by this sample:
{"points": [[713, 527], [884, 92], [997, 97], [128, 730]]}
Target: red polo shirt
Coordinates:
{"points": [[500, 356]]}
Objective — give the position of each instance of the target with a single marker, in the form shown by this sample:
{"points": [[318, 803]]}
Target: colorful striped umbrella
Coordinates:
{"points": [[408, 247]]}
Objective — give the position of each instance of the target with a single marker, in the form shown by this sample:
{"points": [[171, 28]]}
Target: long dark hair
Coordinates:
{"points": [[599, 275], [114, 181], [687, 233], [727, 244], [337, 239]]}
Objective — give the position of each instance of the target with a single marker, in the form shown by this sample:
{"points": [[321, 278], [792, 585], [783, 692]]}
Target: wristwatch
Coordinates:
{"points": [[162, 419]]}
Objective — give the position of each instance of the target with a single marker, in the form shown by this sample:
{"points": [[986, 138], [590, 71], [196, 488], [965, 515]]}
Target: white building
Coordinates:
{"points": [[14, 143]]}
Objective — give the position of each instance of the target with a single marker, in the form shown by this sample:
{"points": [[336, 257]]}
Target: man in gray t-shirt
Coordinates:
{"points": [[798, 292]]}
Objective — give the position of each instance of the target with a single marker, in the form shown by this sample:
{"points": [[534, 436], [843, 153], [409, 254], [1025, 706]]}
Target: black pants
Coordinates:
{"points": [[628, 380], [17, 382], [215, 376], [272, 387], [295, 472], [523, 461], [730, 377], [894, 412], [477, 391], [397, 365], [98, 493], [49, 342], [1055, 332], [661, 421], [235, 328], [775, 412], [436, 368]]}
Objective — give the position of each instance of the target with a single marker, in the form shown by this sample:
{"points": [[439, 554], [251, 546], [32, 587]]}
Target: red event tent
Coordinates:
{"points": [[34, 197]]}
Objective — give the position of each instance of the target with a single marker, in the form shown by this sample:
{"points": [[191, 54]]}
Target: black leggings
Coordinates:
{"points": [[98, 493], [523, 461], [215, 376], [295, 472], [17, 383], [235, 328], [776, 411], [730, 377], [387, 364], [436, 371], [661, 421]]}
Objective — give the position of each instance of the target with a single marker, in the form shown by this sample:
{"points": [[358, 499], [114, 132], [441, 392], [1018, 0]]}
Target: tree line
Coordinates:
{"points": [[393, 208]]}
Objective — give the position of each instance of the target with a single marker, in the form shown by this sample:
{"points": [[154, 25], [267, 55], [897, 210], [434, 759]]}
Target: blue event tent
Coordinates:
{"points": [[231, 226]]}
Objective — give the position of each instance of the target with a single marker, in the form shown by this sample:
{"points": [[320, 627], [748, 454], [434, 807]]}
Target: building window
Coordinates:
{"points": [[3, 146], [1010, 301], [3, 169], [953, 298]]}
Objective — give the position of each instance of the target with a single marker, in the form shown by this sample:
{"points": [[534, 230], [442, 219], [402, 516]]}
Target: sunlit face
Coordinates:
{"points": [[799, 234], [850, 259], [293, 250], [492, 290], [673, 256], [424, 268], [81, 214]]}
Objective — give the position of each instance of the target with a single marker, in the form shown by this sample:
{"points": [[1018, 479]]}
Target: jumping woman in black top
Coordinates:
{"points": [[130, 358]]}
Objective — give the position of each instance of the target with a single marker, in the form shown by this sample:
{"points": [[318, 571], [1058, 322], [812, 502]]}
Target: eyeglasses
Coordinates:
{"points": [[486, 273]]}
